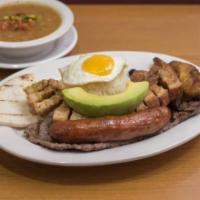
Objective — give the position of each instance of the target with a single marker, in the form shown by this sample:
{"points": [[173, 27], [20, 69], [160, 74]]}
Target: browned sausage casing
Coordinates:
{"points": [[111, 128]]}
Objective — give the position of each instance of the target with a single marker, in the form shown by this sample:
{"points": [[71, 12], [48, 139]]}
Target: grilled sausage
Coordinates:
{"points": [[111, 128]]}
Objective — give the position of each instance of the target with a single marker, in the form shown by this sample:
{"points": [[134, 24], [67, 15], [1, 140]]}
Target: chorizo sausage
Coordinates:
{"points": [[111, 128]]}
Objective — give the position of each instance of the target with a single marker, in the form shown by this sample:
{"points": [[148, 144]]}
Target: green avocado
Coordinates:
{"points": [[92, 105]]}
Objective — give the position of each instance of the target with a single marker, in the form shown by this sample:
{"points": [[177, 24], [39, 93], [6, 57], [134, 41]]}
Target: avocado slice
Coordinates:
{"points": [[92, 105]]}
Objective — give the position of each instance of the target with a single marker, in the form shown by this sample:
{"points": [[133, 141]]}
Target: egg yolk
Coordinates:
{"points": [[99, 65]]}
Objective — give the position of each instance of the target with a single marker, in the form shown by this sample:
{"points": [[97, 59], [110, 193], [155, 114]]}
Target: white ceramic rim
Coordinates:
{"points": [[67, 21], [39, 62], [161, 143]]}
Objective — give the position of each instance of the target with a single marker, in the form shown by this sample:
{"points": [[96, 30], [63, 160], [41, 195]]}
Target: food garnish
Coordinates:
{"points": [[25, 21], [18, 22]]}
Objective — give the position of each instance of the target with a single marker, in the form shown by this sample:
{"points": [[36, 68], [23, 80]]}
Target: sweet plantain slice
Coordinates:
{"points": [[189, 77]]}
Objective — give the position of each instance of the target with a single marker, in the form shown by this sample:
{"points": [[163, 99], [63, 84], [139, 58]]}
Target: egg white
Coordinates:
{"points": [[73, 74]]}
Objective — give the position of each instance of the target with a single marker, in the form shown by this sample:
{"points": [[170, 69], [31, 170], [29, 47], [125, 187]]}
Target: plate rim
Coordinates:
{"points": [[81, 164], [94, 164]]}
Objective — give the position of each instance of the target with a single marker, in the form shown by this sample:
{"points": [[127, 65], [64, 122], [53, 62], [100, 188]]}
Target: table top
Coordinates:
{"points": [[173, 175]]}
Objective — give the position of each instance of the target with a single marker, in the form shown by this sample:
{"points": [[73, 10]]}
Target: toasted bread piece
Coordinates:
{"points": [[47, 105], [41, 95], [141, 107], [36, 87], [44, 96], [151, 100], [169, 78], [56, 84], [161, 93], [41, 85], [76, 116], [61, 113]]}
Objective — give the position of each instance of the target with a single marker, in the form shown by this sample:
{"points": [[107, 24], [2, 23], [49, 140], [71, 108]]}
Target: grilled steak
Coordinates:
{"points": [[38, 133]]}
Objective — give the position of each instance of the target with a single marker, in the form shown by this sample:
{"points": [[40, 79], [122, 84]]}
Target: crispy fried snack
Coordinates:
{"points": [[151, 100], [40, 95], [138, 75], [47, 105], [168, 81], [168, 78], [57, 85], [44, 96], [36, 87], [61, 113], [161, 93], [189, 76], [157, 95]]}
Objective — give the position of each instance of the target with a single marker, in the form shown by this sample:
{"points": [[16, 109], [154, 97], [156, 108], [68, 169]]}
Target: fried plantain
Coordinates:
{"points": [[189, 77]]}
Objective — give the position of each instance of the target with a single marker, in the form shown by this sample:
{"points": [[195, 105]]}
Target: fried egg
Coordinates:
{"points": [[93, 68]]}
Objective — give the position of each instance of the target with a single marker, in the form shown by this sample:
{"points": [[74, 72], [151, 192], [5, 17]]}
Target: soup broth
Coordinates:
{"points": [[27, 21]]}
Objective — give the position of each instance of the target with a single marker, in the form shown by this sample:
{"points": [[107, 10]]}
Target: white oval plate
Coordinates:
{"points": [[61, 48], [13, 141]]}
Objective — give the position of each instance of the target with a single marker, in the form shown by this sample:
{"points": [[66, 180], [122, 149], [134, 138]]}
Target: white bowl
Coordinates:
{"points": [[46, 43]]}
